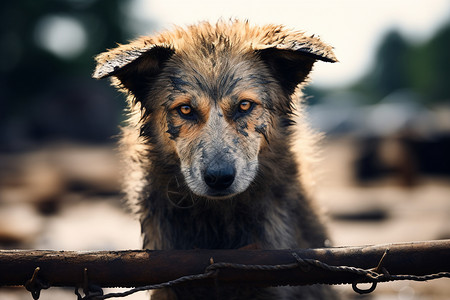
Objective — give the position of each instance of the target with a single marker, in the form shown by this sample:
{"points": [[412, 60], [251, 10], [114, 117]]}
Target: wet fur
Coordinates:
{"points": [[212, 68]]}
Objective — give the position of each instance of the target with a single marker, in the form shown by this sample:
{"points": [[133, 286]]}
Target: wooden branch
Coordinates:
{"points": [[144, 267]]}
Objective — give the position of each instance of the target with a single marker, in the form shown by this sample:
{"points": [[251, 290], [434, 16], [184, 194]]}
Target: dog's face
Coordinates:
{"points": [[216, 118], [213, 94]]}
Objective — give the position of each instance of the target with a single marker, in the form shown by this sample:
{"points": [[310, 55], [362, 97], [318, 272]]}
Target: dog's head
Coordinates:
{"points": [[214, 94]]}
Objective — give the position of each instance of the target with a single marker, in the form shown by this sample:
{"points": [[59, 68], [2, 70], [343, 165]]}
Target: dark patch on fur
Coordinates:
{"points": [[178, 83], [262, 130], [232, 86], [199, 83], [260, 80], [146, 130], [287, 122], [174, 131], [242, 128], [201, 144], [228, 83]]}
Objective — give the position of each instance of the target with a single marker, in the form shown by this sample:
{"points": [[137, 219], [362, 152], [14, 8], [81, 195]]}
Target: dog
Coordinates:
{"points": [[217, 147]]}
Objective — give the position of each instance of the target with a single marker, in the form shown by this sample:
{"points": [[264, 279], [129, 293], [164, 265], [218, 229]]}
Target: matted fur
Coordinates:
{"points": [[211, 70]]}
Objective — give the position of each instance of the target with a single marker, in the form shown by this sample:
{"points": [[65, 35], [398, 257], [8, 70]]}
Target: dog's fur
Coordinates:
{"points": [[214, 110]]}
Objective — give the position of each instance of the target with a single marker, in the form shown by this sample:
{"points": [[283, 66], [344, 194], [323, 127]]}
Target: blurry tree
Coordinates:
{"points": [[46, 59], [390, 72], [430, 67], [399, 64]]}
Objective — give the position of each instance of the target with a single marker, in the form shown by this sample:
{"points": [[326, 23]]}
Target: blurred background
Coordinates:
{"points": [[385, 108]]}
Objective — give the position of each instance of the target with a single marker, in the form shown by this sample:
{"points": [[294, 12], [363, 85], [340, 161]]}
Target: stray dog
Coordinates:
{"points": [[213, 113]]}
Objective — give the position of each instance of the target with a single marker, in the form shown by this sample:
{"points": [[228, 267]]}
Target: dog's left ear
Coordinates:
{"points": [[133, 66], [292, 59]]}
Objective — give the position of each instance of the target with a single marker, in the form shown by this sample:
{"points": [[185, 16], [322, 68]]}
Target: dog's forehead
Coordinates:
{"points": [[217, 76]]}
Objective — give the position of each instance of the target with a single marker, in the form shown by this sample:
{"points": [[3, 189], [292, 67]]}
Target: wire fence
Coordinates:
{"points": [[146, 270]]}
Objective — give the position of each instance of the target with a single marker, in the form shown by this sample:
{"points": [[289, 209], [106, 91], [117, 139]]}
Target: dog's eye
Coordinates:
{"points": [[186, 111], [245, 106]]}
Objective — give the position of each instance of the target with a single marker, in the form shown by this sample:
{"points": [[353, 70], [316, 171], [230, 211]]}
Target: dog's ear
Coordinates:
{"points": [[134, 65], [292, 58]]}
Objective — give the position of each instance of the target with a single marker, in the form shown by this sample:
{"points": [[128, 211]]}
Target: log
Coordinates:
{"points": [[146, 267]]}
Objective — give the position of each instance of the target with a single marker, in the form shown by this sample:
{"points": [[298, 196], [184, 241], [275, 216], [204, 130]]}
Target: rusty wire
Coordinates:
{"points": [[374, 275]]}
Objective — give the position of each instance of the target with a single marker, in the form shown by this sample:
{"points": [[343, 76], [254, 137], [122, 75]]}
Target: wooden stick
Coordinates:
{"points": [[145, 267]]}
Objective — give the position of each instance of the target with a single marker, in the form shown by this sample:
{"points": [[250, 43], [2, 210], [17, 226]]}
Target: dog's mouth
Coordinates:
{"points": [[220, 178], [216, 182], [219, 195]]}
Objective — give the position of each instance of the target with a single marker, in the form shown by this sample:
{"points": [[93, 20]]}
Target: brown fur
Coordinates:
{"points": [[174, 159]]}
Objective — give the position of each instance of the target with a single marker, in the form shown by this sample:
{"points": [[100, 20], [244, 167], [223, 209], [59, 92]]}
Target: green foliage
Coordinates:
{"points": [[22, 56], [47, 51], [400, 64], [431, 67], [390, 73]]}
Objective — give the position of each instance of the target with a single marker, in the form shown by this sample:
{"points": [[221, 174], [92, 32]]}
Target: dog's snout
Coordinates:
{"points": [[219, 176]]}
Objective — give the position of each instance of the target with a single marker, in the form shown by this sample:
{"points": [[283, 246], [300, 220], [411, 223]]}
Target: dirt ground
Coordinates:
{"points": [[66, 197], [394, 213]]}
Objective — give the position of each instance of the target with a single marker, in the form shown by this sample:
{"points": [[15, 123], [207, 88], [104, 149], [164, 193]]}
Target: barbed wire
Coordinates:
{"points": [[375, 275]]}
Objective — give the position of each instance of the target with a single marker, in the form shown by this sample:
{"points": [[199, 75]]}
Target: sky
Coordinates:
{"points": [[353, 27]]}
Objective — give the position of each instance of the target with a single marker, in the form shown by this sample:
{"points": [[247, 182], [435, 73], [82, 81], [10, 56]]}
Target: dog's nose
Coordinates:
{"points": [[219, 177]]}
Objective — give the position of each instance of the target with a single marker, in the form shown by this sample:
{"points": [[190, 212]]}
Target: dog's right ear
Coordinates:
{"points": [[134, 65], [291, 55]]}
